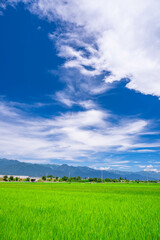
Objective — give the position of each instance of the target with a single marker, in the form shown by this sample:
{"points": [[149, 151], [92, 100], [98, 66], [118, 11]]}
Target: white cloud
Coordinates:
{"points": [[119, 36], [150, 168], [66, 99], [110, 164], [141, 166], [63, 98], [102, 168], [2, 7], [87, 104], [144, 150], [71, 136]]}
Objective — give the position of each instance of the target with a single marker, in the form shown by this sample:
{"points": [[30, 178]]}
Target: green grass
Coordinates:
{"points": [[62, 211]]}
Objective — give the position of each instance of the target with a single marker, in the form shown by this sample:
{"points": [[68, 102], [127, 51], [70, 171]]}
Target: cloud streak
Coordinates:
{"points": [[73, 136]]}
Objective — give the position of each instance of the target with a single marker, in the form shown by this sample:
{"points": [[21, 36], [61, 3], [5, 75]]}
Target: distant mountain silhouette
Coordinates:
{"points": [[14, 167]]}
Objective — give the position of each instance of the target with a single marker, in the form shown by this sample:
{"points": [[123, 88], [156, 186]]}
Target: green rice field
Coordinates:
{"points": [[79, 211]]}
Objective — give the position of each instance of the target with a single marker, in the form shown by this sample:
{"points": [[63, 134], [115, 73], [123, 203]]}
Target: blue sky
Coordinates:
{"points": [[79, 83]]}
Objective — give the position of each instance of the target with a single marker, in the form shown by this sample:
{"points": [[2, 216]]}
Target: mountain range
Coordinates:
{"points": [[14, 167]]}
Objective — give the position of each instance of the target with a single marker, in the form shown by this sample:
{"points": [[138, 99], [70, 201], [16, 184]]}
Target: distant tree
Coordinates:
{"points": [[99, 180], [16, 179], [11, 178], [94, 179], [90, 179], [114, 180], [71, 179], [64, 178], [5, 178], [50, 176], [108, 180], [56, 178], [27, 179], [78, 178], [44, 178]]}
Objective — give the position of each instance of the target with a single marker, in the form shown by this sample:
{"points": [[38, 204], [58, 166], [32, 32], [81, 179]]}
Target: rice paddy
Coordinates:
{"points": [[76, 211]]}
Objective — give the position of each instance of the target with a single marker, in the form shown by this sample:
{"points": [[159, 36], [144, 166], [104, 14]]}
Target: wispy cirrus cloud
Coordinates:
{"points": [[73, 136], [69, 100], [79, 90]]}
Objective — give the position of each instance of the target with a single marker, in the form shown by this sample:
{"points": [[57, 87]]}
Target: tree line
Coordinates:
{"points": [[75, 179]]}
